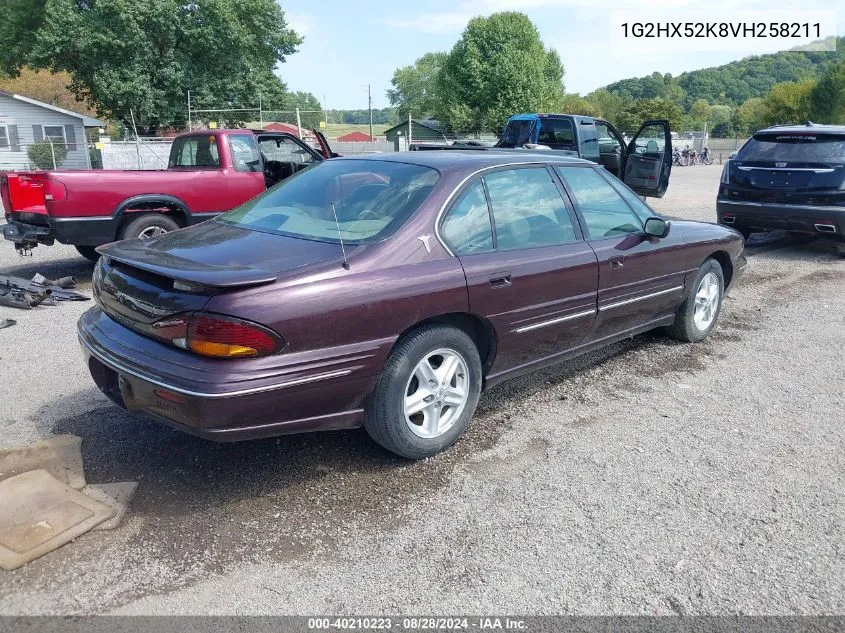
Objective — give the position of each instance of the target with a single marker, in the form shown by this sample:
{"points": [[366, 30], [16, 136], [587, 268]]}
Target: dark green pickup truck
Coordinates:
{"points": [[644, 163]]}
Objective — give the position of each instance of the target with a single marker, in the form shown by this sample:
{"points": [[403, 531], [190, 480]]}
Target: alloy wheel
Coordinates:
{"points": [[707, 298], [152, 231], [436, 393]]}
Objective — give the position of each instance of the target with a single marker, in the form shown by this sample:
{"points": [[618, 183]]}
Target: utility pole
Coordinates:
{"points": [[190, 126], [410, 131], [370, 105], [326, 111], [298, 123], [260, 113]]}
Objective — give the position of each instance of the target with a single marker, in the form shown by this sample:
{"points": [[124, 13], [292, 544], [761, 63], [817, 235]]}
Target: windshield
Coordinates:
{"points": [[372, 199], [794, 148], [516, 134]]}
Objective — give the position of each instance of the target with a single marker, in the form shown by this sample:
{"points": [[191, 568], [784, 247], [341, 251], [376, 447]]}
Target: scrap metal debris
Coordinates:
{"points": [[44, 502], [17, 292], [6, 323]]}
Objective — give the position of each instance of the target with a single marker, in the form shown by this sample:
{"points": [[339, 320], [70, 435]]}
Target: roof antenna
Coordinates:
{"points": [[340, 237]]}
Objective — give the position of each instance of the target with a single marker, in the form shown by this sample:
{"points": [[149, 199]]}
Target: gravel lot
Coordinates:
{"points": [[650, 478]]}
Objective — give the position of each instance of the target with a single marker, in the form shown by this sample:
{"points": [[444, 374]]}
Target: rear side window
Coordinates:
{"points": [[794, 148], [195, 151], [467, 228], [605, 213], [528, 210], [556, 133]]}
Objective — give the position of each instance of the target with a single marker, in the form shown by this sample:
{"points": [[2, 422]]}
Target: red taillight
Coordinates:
{"points": [[218, 336]]}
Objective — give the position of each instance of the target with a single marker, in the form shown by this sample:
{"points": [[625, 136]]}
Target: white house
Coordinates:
{"points": [[24, 121]]}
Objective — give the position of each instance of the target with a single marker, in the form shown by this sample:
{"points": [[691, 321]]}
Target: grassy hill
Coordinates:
{"points": [[733, 83]]}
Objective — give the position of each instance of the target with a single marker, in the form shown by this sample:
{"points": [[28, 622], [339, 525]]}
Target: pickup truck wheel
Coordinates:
{"points": [[147, 226], [88, 252], [698, 314], [426, 393]]}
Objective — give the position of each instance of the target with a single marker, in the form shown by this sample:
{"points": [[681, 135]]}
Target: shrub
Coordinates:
{"points": [[41, 154]]}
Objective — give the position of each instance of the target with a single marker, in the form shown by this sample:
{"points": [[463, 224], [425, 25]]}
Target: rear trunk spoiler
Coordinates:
{"points": [[136, 253]]}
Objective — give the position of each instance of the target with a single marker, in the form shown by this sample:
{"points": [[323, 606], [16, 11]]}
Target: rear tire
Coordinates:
{"points": [[699, 313], [88, 253], [148, 225], [426, 393]]}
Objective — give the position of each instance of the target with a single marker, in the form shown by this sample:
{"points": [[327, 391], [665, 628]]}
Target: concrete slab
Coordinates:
{"points": [[116, 496], [39, 513], [60, 455]]}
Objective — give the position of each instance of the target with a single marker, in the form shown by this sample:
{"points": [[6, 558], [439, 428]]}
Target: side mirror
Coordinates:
{"points": [[657, 227]]}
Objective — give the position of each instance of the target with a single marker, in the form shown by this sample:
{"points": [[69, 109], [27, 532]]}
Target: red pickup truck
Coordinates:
{"points": [[209, 172]]}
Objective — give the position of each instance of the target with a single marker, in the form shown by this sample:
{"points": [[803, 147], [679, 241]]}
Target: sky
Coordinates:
{"points": [[352, 43]]}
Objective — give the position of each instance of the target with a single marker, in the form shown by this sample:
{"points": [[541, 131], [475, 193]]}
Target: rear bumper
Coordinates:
{"points": [[789, 217], [25, 235], [140, 376], [76, 231]]}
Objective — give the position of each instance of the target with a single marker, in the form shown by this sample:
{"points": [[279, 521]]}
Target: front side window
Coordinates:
{"points": [[56, 133], [605, 213], [467, 228], [371, 199], [195, 151], [651, 141], [244, 153], [528, 210], [608, 143], [285, 150]]}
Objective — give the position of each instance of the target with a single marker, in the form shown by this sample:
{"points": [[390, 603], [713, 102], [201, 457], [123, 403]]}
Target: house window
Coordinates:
{"points": [[55, 133], [4, 137]]}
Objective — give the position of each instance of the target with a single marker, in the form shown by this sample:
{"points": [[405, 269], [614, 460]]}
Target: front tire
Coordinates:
{"points": [[148, 225], [698, 314], [426, 393]]}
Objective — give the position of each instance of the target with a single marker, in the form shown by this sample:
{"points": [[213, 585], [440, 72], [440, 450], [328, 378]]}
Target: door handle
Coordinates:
{"points": [[500, 280], [616, 262]]}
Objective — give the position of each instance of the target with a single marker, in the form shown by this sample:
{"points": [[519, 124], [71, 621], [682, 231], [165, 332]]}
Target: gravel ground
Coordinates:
{"points": [[649, 478]]}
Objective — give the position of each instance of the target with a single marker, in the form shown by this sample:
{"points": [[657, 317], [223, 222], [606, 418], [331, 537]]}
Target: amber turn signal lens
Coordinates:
{"points": [[221, 350]]}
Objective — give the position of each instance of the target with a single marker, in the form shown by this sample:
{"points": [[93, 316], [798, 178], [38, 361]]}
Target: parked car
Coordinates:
{"points": [[639, 161], [387, 291], [208, 172], [787, 177]]}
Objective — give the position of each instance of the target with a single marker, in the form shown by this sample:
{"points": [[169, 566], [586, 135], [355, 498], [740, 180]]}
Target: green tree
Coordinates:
{"points": [[498, 67], [640, 110], [699, 113], [827, 100], [144, 56], [609, 104], [788, 102], [576, 104], [749, 117], [414, 87]]}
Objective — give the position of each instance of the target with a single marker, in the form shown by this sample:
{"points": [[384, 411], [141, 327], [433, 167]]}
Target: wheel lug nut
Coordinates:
{"points": [[428, 398]]}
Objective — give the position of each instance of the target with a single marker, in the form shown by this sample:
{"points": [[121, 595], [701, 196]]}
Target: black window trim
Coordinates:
{"points": [[603, 173], [480, 175]]}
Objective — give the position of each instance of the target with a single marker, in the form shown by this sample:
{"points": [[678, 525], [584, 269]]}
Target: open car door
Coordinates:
{"points": [[325, 150], [649, 159]]}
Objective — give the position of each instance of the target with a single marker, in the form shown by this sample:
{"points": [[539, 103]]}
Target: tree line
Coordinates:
{"points": [[499, 67]]}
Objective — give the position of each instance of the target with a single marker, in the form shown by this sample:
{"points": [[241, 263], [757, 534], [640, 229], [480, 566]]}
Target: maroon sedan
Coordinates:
{"points": [[389, 290]]}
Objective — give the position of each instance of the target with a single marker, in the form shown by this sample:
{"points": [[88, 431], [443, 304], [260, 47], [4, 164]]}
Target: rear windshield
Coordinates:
{"points": [[517, 133], [794, 148], [194, 151], [371, 198]]}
